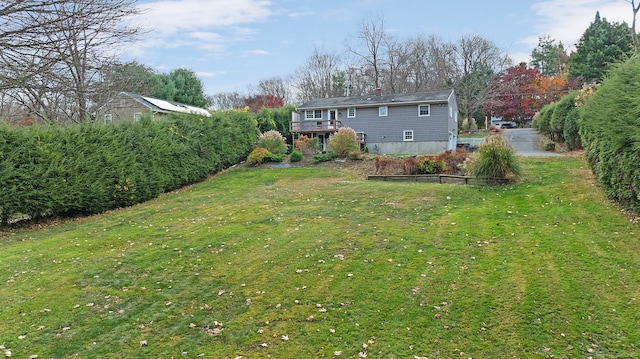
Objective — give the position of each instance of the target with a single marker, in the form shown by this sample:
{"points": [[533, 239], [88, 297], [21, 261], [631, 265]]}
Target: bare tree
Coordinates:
{"points": [[316, 78], [634, 34], [369, 51], [397, 71], [22, 31], [228, 100], [431, 65], [277, 86], [63, 50], [478, 60]]}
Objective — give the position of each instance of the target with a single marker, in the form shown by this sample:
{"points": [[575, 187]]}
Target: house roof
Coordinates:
{"points": [[164, 106], [378, 100]]}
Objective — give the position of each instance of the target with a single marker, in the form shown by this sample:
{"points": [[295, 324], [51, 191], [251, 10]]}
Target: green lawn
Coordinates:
{"points": [[313, 262]]}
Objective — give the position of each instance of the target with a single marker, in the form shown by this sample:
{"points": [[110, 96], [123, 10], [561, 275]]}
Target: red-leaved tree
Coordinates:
{"points": [[515, 94], [258, 102]]}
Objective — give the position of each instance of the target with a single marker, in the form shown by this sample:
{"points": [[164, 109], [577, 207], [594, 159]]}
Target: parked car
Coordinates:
{"points": [[506, 124]]}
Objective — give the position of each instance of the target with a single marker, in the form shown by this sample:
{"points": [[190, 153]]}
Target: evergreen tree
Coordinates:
{"points": [[184, 86], [602, 44], [549, 57]]}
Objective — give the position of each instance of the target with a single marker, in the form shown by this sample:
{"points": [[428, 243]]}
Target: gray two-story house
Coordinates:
{"points": [[414, 123]]}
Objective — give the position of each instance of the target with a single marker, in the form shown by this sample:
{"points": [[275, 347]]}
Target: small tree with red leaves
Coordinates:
{"points": [[515, 94]]}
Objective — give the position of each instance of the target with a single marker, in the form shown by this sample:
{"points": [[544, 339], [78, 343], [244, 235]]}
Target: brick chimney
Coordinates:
{"points": [[378, 91]]}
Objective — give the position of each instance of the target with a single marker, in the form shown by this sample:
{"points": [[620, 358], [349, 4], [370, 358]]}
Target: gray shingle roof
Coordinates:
{"points": [[373, 100]]}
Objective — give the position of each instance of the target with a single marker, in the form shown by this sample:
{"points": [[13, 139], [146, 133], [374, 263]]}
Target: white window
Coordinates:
{"points": [[108, 118], [313, 114], [450, 111], [407, 135], [351, 112], [137, 116], [424, 110], [383, 111]]}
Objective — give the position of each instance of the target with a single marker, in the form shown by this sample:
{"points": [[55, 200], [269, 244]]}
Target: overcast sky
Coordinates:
{"points": [[233, 44]]}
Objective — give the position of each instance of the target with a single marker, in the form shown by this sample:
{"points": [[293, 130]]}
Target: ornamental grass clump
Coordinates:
{"points": [[495, 159], [272, 141], [343, 142]]}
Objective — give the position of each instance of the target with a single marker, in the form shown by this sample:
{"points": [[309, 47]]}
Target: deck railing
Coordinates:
{"points": [[308, 126]]}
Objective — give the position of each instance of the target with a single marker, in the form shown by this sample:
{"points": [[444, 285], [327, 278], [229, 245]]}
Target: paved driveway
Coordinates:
{"points": [[526, 142]]}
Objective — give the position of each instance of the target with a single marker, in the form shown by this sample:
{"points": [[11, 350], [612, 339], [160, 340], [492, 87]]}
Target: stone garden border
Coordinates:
{"points": [[440, 178]]}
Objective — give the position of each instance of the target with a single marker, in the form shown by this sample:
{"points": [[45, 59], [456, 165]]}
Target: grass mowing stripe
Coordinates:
{"points": [[546, 267]]}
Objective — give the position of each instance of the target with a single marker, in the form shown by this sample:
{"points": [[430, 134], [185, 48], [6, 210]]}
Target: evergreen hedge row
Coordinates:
{"points": [[560, 121], [610, 132], [89, 168]]}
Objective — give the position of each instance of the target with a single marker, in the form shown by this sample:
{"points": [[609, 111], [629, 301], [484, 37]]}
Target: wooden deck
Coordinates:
{"points": [[314, 126], [310, 127]]}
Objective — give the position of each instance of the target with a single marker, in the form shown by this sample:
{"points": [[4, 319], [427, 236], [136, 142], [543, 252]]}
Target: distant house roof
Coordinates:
{"points": [[378, 100], [164, 106]]}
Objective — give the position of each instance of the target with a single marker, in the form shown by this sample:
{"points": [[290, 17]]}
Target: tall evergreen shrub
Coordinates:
{"points": [[610, 132], [89, 168]]}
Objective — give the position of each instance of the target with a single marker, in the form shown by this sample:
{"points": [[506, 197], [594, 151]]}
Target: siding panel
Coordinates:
{"points": [[400, 118]]}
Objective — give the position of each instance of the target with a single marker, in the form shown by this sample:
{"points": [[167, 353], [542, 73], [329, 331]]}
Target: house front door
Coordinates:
{"points": [[333, 116]]}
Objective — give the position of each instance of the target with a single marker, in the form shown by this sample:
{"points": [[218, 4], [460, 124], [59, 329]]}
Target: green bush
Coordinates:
{"points": [[542, 120], [89, 168], [323, 157], [495, 159], [431, 166], [343, 142], [610, 133], [273, 141], [275, 119], [295, 156], [559, 121], [257, 156], [275, 157]]}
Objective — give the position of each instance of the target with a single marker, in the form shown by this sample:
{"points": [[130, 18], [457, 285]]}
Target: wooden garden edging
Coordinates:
{"points": [[437, 178]]}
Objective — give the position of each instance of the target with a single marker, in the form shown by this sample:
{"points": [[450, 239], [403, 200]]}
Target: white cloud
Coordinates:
{"points": [[566, 20], [210, 74], [302, 14], [170, 17], [258, 52], [203, 24]]}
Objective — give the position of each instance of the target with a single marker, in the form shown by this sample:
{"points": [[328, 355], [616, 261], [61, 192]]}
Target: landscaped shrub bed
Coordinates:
{"points": [[90, 168], [447, 162]]}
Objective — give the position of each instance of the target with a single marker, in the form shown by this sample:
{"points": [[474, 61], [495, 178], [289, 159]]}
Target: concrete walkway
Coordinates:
{"points": [[526, 142]]}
